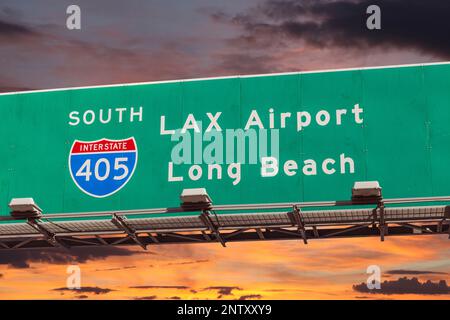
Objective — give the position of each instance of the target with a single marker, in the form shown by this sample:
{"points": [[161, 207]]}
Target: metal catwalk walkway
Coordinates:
{"points": [[229, 223]]}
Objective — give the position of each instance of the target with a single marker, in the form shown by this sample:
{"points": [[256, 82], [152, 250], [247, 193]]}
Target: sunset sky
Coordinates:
{"points": [[132, 41]]}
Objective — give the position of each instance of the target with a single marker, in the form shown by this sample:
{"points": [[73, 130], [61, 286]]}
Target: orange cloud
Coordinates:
{"points": [[323, 269]]}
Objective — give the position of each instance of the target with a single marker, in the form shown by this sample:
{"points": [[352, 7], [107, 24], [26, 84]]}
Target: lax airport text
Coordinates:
{"points": [[301, 120]]}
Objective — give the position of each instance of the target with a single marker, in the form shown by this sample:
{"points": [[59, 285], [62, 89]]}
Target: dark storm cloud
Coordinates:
{"points": [[11, 30], [223, 290], [93, 290], [146, 298], [250, 297], [413, 272], [414, 24], [23, 258], [406, 286]]}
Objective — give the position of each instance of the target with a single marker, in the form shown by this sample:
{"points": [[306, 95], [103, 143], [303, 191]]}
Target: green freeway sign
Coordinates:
{"points": [[257, 139]]}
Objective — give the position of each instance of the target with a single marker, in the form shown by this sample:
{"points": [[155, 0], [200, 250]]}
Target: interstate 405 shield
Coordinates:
{"points": [[101, 168]]}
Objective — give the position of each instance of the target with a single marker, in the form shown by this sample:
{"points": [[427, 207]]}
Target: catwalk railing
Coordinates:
{"points": [[302, 221]]}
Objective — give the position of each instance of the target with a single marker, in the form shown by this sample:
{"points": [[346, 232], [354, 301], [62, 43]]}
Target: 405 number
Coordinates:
{"points": [[102, 169]]}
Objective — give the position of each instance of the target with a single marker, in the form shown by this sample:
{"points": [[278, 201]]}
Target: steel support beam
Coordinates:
{"points": [[260, 234], [120, 222], [287, 232], [21, 244], [237, 235], [101, 240], [295, 216], [182, 236], [121, 240], [316, 232], [418, 229], [49, 236], [343, 231], [82, 241], [206, 236], [4, 245], [382, 224], [206, 219], [234, 233], [153, 238]]}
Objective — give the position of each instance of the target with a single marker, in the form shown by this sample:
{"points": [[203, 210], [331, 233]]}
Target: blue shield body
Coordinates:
{"points": [[101, 168]]}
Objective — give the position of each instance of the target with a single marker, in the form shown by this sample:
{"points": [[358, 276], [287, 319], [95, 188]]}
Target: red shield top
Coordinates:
{"points": [[104, 145]]}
